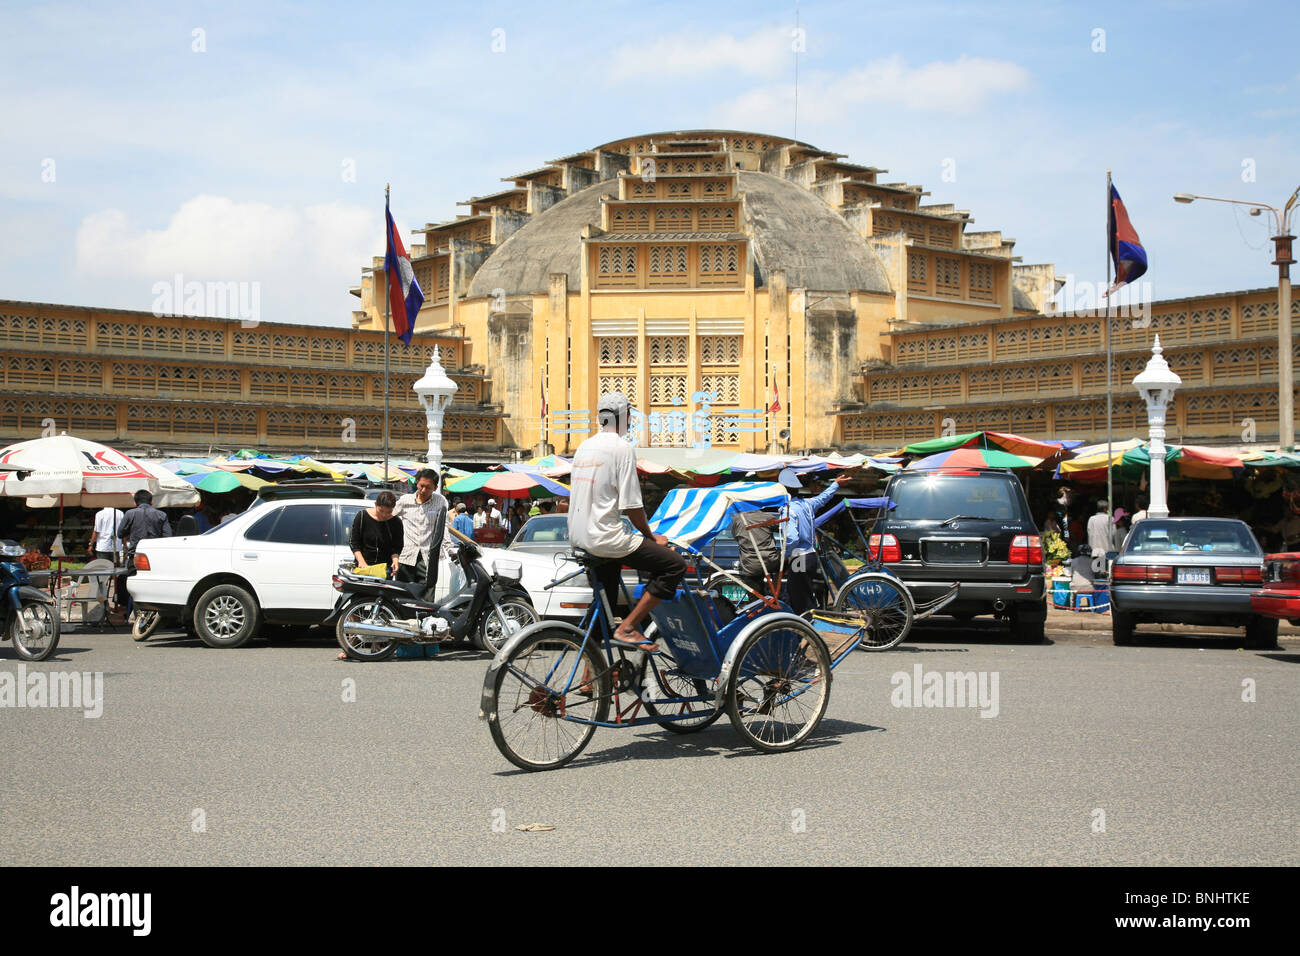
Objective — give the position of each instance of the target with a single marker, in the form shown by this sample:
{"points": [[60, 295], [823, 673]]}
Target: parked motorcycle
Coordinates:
{"points": [[28, 616], [374, 616]]}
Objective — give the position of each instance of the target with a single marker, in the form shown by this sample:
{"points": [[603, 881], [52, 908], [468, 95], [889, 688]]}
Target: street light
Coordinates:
{"points": [[1282, 259], [435, 390], [1156, 384]]}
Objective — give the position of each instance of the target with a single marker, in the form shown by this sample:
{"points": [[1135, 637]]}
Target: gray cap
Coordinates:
{"points": [[614, 407]]}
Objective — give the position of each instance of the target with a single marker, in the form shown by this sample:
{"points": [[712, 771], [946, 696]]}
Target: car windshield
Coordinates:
{"points": [[552, 529], [1153, 536], [940, 497], [548, 530]]}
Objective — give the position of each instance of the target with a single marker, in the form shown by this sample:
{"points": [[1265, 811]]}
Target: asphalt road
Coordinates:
{"points": [[1096, 755]]}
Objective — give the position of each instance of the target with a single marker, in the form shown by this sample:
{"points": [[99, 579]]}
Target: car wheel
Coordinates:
{"points": [[227, 616], [1261, 633], [1121, 627]]}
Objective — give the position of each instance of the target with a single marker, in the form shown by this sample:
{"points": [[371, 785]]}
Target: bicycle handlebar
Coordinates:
{"points": [[567, 577]]}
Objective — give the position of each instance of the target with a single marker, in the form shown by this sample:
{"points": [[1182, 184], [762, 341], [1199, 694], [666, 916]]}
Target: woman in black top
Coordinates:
{"points": [[376, 535]]}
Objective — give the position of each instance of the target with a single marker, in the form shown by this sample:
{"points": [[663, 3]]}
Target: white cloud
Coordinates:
{"points": [[954, 86], [694, 53], [304, 259]]}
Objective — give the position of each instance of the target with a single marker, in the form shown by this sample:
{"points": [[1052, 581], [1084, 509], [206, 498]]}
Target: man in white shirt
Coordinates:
{"points": [[1101, 536], [104, 540], [493, 516], [424, 522], [604, 488]]}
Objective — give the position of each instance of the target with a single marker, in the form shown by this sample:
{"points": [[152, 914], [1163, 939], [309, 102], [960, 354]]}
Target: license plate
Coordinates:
{"points": [[954, 552], [1193, 575]]}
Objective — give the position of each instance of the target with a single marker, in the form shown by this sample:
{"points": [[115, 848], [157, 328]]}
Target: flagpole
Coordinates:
{"points": [[388, 241], [1110, 486]]}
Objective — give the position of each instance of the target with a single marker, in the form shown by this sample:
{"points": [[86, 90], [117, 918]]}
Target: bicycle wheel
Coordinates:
{"points": [[886, 607], [541, 684], [659, 678], [780, 685]]}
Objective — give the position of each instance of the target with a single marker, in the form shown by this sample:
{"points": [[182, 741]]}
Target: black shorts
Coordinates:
{"points": [[664, 567]]}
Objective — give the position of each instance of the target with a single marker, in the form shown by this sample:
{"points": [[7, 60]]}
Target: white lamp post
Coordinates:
{"points": [[435, 390], [1156, 384]]}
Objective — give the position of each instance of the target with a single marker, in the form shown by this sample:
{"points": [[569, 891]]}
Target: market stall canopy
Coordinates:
{"points": [[1270, 459], [698, 461], [1001, 441], [1131, 459], [696, 515], [173, 490], [83, 473], [186, 466], [552, 466], [973, 458], [220, 482], [508, 484]]}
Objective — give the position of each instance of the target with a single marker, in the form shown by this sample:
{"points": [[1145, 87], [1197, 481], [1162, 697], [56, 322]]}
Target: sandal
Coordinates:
{"points": [[635, 641]]}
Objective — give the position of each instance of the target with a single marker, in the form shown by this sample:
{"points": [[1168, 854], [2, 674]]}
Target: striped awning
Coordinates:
{"points": [[695, 515]]}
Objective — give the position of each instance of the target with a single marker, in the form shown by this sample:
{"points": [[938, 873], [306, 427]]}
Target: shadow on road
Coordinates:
{"points": [[717, 740], [1284, 658], [979, 631]]}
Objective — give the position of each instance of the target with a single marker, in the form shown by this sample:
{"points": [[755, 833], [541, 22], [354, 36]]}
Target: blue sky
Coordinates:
{"points": [[128, 156]]}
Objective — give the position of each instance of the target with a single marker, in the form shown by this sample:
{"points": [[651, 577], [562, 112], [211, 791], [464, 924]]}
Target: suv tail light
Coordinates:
{"points": [[1239, 575], [1026, 549], [1154, 574], [885, 547], [141, 562]]}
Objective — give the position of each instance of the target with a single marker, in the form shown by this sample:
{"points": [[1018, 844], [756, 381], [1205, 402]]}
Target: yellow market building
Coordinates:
{"points": [[710, 274]]}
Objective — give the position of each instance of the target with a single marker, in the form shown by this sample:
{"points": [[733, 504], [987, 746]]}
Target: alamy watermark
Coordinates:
{"points": [[232, 299], [946, 689], [46, 689]]}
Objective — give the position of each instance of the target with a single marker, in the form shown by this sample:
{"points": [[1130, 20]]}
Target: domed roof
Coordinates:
{"points": [[790, 229]]}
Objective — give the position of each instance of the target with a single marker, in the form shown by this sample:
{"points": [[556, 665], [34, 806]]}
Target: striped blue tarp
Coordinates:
{"points": [[695, 515]]}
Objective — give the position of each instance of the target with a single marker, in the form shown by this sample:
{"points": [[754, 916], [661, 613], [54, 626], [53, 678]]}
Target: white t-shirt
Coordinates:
{"points": [[1101, 533], [604, 484], [107, 521]]}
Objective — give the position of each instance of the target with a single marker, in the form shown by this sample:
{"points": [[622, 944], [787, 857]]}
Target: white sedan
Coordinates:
{"points": [[274, 563]]}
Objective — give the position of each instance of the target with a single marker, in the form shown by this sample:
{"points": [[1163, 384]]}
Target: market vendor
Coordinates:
{"points": [[604, 488]]}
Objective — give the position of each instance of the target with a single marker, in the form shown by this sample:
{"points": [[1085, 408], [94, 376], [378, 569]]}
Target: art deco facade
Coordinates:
{"points": [[700, 272], [730, 263], [186, 386]]}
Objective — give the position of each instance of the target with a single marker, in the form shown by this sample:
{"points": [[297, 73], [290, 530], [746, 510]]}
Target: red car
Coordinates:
{"points": [[1280, 596]]}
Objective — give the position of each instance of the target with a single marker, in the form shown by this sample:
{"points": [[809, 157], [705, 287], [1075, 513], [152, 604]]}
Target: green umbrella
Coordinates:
{"points": [[470, 483], [932, 445], [219, 482]]}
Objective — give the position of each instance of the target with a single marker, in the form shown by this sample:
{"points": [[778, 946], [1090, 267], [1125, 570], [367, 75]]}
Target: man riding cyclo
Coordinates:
{"points": [[604, 488]]}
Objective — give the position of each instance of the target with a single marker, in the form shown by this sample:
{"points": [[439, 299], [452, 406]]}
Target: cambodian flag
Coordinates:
{"points": [[404, 295], [1125, 248]]}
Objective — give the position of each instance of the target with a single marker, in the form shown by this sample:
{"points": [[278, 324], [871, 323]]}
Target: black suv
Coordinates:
{"points": [[972, 527]]}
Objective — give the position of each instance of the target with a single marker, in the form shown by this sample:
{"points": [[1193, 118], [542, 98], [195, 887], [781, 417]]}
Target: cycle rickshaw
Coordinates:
{"points": [[871, 597], [554, 683]]}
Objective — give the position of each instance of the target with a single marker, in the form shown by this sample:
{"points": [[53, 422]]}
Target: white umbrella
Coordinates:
{"points": [[79, 472], [173, 492]]}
